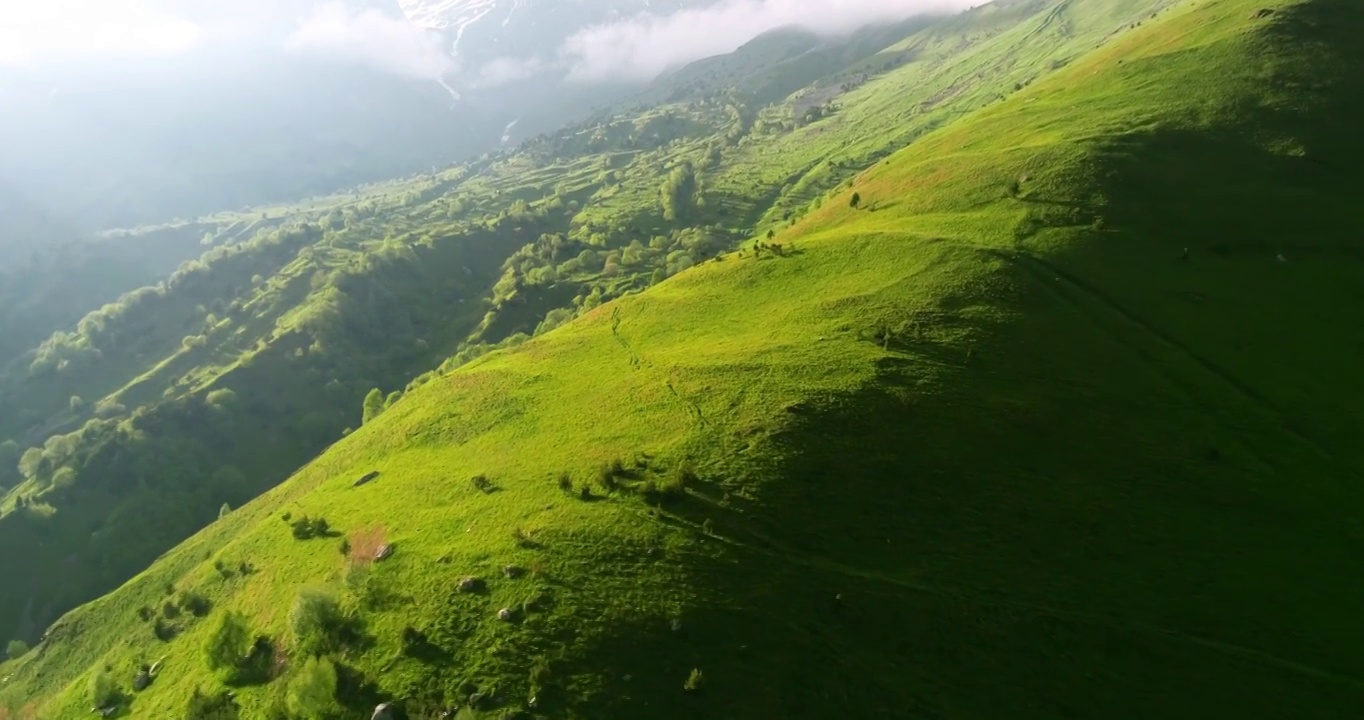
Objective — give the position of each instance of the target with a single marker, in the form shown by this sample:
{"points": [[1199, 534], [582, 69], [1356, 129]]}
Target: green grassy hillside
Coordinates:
{"points": [[1056, 421], [126, 433]]}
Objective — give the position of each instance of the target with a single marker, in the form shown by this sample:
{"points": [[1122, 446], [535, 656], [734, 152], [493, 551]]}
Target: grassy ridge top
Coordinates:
{"points": [[989, 444]]}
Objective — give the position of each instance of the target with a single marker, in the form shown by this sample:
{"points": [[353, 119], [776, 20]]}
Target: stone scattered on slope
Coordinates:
{"points": [[383, 712], [384, 552], [470, 584], [143, 679], [513, 571], [505, 615]]}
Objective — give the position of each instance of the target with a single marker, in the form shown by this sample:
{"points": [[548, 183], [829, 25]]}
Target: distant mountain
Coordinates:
{"points": [[242, 120], [100, 146]]}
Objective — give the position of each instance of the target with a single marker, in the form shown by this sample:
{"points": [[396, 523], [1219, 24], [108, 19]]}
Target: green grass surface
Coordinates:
{"points": [[992, 449]]}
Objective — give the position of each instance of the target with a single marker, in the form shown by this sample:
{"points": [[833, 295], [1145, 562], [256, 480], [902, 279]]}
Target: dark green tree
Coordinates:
{"points": [[227, 645], [312, 690], [374, 405]]}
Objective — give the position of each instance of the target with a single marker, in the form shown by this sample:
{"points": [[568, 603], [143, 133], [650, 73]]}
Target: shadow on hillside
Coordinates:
{"points": [[356, 692], [1073, 514]]}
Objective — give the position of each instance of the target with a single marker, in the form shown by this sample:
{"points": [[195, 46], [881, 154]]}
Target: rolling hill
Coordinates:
{"points": [[1032, 398]]}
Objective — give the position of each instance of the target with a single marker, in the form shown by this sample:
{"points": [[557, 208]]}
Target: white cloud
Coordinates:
{"points": [[389, 43], [646, 46], [504, 70], [35, 31]]}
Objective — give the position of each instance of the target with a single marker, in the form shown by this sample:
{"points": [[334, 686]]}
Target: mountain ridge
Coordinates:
{"points": [[1016, 419]]}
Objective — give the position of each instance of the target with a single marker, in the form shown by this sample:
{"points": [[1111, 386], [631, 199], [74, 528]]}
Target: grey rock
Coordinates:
{"points": [[470, 584]]}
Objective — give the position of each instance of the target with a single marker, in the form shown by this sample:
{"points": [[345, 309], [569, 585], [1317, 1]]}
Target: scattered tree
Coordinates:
{"points": [[306, 528], [312, 690], [103, 690], [856, 201], [695, 681], [195, 604], [221, 398], [227, 646], [678, 193], [317, 622], [16, 649], [220, 706], [374, 405]]}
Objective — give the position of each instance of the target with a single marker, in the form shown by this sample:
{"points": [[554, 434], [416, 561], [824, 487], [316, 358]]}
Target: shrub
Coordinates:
{"points": [[676, 483], [318, 623], [695, 682], [481, 483], [103, 690], [212, 707], [227, 645], [164, 631], [312, 691], [16, 649], [606, 476], [373, 406], [566, 483], [306, 528], [221, 398], [195, 604]]}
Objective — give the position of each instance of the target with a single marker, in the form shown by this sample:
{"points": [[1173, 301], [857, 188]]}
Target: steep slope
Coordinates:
{"points": [[988, 444], [127, 433]]}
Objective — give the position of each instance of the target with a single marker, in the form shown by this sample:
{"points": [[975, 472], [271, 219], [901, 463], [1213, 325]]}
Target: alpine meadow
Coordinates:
{"points": [[992, 364]]}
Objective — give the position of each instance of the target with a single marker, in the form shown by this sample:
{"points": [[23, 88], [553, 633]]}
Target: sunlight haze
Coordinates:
{"points": [[32, 32]]}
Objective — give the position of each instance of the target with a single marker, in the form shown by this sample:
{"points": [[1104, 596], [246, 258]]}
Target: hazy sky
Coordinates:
{"points": [[639, 48], [392, 44], [643, 47], [41, 30]]}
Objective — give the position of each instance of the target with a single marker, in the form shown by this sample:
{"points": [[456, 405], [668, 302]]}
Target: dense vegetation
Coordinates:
{"points": [[1054, 418]]}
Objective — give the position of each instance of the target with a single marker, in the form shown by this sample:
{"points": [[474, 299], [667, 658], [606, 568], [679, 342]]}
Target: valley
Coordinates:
{"points": [[994, 364]]}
